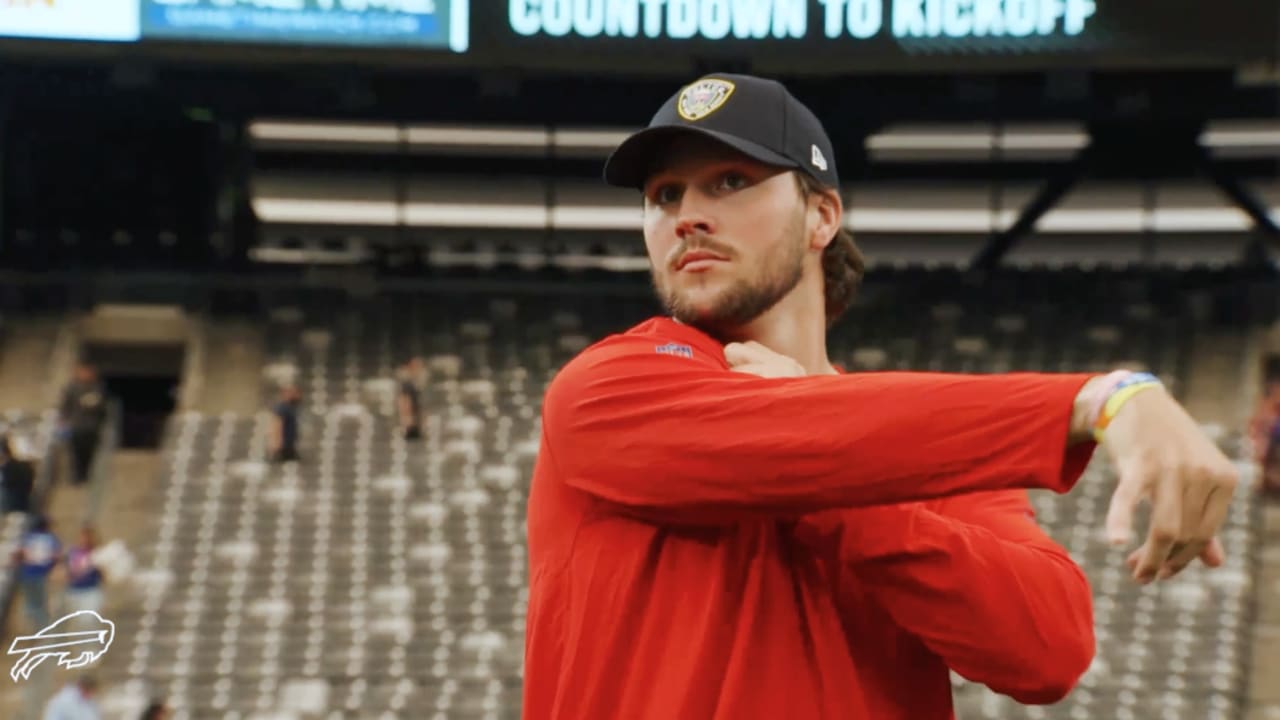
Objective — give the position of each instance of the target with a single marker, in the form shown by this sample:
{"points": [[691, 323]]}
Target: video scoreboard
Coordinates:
{"points": [[831, 35]]}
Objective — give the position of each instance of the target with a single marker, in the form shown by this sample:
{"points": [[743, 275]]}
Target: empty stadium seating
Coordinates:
{"points": [[379, 579]]}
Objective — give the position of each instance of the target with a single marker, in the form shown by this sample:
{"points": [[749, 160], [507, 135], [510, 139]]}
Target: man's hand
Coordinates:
{"points": [[1162, 456], [752, 358]]}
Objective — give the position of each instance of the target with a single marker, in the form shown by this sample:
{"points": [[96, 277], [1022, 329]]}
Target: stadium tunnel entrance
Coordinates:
{"points": [[140, 352], [145, 380]]}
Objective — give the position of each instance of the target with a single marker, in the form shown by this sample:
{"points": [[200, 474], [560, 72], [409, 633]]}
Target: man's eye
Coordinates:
{"points": [[664, 194], [733, 181]]}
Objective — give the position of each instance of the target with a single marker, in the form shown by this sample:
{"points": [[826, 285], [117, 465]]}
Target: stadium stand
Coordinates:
{"points": [[383, 577], [257, 211], [35, 432]]}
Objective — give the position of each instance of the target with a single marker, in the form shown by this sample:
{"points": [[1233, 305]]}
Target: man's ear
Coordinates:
{"points": [[828, 209]]}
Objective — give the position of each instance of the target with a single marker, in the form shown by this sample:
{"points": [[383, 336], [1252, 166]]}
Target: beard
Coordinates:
{"points": [[745, 299]]}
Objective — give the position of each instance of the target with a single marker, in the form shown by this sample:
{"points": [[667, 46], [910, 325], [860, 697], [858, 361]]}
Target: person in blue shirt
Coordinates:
{"points": [[84, 578], [284, 426], [37, 555], [75, 701]]}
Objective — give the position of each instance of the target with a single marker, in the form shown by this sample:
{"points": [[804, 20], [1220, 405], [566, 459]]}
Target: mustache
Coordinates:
{"points": [[698, 243]]}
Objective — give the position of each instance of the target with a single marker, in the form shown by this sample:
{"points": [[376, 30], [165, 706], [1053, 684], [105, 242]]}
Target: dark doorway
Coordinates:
{"points": [[144, 379]]}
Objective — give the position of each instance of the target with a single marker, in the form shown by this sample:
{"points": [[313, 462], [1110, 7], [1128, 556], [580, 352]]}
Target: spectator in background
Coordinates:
{"points": [[80, 418], [37, 555], [84, 578], [284, 426], [75, 701], [1264, 432], [17, 478], [409, 398], [157, 710]]}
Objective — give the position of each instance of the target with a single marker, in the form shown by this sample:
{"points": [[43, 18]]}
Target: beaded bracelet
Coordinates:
{"points": [[1120, 393]]}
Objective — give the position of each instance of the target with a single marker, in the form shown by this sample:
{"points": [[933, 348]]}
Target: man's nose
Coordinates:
{"points": [[693, 217]]}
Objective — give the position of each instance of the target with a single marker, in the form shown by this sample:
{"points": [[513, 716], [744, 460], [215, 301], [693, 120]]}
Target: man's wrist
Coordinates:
{"points": [[1101, 398], [1082, 410]]}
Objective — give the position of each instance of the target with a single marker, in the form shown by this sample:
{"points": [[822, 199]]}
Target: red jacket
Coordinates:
{"points": [[968, 583], [665, 581]]}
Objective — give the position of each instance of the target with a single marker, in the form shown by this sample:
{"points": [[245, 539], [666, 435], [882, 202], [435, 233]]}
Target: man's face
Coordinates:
{"points": [[726, 235]]}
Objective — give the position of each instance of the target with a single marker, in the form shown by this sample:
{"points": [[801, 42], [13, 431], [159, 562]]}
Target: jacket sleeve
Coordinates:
{"points": [[688, 437], [977, 580]]}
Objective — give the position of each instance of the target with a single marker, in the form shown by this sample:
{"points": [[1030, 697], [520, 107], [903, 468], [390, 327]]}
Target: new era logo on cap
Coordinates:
{"points": [[816, 157]]}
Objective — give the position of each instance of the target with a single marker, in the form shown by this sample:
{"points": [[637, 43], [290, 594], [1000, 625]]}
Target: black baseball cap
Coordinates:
{"points": [[755, 116]]}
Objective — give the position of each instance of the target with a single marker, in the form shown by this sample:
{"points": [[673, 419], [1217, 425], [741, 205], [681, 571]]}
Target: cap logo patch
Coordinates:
{"points": [[817, 158], [703, 98]]}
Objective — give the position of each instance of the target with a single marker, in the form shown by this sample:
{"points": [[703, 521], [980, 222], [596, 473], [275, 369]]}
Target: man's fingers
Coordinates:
{"points": [[1124, 503], [752, 358], [738, 353], [745, 352], [1205, 508], [1166, 526], [1214, 554], [1132, 560], [1190, 543], [751, 368], [1180, 557], [1216, 508]]}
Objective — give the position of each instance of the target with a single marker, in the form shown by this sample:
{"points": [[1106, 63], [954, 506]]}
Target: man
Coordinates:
{"points": [[84, 577], [80, 417], [408, 401], [37, 555], [156, 710], [17, 479], [1264, 432], [75, 701], [670, 576], [283, 441]]}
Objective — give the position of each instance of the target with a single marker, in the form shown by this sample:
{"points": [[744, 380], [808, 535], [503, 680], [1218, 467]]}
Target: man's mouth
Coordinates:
{"points": [[698, 260]]}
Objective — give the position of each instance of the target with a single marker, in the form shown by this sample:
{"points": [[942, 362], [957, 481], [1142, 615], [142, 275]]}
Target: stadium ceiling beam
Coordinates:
{"points": [[1049, 195], [1265, 230]]}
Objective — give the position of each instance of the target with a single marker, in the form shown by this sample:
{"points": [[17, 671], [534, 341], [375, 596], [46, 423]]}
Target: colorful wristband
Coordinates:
{"points": [[1119, 395], [1108, 385]]}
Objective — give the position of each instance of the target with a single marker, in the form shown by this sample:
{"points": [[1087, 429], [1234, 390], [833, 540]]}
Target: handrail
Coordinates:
{"points": [[49, 473], [46, 475], [100, 473]]}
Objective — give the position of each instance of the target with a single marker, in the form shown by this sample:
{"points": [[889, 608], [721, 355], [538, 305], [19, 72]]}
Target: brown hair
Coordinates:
{"points": [[842, 263]]}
